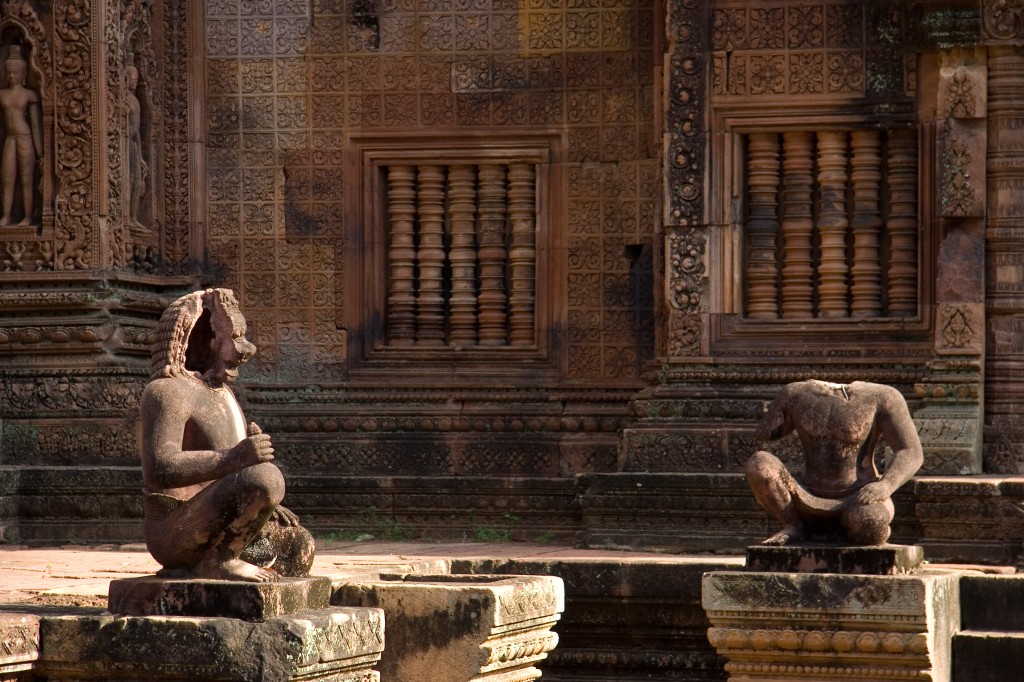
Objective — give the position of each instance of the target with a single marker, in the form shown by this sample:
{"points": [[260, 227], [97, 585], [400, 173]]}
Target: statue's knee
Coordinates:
{"points": [[266, 480], [761, 465], [868, 524]]}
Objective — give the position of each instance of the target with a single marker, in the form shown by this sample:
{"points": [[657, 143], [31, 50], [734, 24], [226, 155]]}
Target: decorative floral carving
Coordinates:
{"points": [[960, 96], [177, 216], [73, 87], [1003, 19], [958, 195], [767, 75], [767, 28], [806, 73], [957, 327], [729, 29], [805, 24], [846, 72], [684, 158]]}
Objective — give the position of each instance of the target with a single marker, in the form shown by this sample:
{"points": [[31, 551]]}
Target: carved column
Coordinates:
{"points": [[832, 224], [1004, 295], [430, 257], [522, 252], [492, 254], [797, 225], [401, 315], [866, 222], [903, 223], [762, 226], [951, 420], [462, 198]]}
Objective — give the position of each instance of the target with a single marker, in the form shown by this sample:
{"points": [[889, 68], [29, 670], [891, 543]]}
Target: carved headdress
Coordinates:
{"points": [[184, 333]]}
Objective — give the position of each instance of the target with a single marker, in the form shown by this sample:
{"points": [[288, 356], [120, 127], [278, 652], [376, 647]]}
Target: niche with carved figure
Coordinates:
{"points": [[24, 139]]}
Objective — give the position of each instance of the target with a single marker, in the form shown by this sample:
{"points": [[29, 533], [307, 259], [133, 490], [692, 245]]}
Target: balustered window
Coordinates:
{"points": [[455, 240], [831, 224], [461, 254]]}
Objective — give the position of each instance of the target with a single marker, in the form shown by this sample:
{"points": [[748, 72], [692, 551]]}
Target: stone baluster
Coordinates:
{"points": [[491, 229], [797, 225], [902, 225], [866, 223], [522, 252], [401, 314], [832, 224], [430, 256], [762, 226], [462, 203]]}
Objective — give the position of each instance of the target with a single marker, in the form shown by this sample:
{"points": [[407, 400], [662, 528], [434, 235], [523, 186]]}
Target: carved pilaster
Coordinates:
{"points": [[684, 170], [950, 420]]}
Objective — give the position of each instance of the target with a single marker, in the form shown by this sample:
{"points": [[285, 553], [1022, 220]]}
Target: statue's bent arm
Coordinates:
{"points": [[164, 463], [900, 435]]}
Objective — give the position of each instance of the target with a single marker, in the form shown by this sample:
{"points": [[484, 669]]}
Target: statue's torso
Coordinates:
{"points": [[216, 421], [833, 425]]}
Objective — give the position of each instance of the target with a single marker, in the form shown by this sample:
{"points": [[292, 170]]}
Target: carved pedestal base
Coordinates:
{"points": [[876, 560], [336, 644], [156, 596], [776, 627], [458, 628], [198, 630]]}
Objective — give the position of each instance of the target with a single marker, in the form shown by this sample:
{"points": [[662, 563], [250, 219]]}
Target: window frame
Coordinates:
{"points": [[366, 267]]}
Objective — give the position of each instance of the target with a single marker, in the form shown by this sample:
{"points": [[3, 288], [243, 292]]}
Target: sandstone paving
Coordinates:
{"points": [[79, 575]]}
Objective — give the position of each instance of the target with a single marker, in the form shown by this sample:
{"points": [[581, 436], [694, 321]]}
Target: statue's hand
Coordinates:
{"points": [[253, 450], [285, 516], [873, 492]]}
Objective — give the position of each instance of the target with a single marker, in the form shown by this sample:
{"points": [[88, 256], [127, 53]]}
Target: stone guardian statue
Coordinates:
{"points": [[212, 492], [842, 494], [23, 138]]}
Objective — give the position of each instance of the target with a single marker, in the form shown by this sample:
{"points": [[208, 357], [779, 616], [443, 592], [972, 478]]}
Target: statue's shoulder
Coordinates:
{"points": [[168, 389]]}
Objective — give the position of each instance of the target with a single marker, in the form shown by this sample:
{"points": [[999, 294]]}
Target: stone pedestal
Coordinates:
{"points": [[782, 627], [458, 628], [19, 645], [215, 630], [336, 644], [154, 596], [871, 560]]}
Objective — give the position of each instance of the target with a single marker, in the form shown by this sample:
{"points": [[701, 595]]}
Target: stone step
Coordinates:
{"points": [[988, 656], [992, 603]]}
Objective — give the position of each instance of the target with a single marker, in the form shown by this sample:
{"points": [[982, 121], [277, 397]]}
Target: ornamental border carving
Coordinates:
{"points": [[75, 234]]}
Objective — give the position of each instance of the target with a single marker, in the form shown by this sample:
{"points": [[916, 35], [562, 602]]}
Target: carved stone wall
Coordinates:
{"points": [[296, 93]]}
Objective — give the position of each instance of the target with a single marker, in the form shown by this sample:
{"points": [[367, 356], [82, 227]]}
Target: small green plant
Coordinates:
{"points": [[546, 537], [491, 534]]}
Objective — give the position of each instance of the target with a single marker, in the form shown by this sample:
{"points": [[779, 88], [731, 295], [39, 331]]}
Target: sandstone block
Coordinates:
{"points": [[335, 644], [463, 627], [873, 560], [156, 596]]}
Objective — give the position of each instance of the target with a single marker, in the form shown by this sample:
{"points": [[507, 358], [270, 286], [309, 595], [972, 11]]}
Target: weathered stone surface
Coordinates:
{"points": [[631, 620], [156, 596], [336, 644], [829, 626], [992, 602], [987, 656], [879, 560], [463, 627], [19, 645]]}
